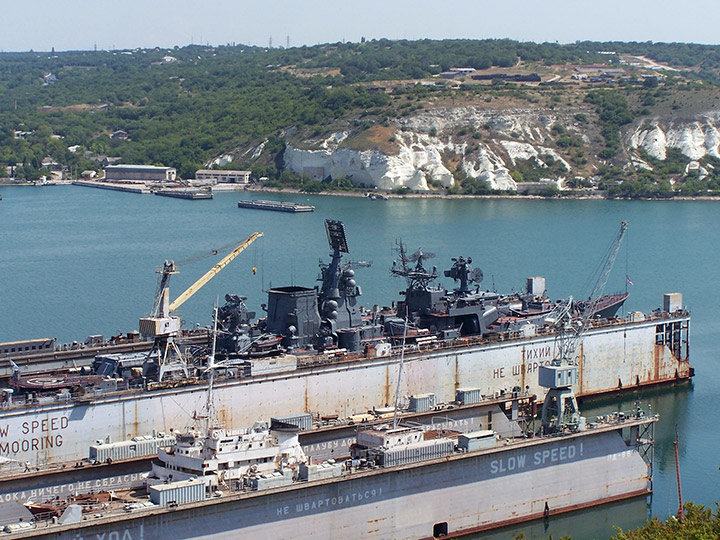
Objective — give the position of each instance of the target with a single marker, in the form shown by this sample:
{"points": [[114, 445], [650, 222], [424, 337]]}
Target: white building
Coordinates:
{"points": [[233, 177]]}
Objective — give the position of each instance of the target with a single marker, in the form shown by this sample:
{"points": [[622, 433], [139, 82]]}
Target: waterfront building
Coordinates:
{"points": [[223, 176], [143, 173]]}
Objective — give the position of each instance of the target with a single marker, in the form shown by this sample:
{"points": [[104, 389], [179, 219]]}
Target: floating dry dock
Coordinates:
{"points": [[435, 487], [277, 206]]}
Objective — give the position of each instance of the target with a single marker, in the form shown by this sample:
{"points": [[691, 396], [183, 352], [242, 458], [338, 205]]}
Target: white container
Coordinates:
{"points": [[468, 396], [173, 493]]}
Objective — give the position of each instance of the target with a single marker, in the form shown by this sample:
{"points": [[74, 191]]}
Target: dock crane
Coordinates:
{"points": [[165, 356], [560, 408]]}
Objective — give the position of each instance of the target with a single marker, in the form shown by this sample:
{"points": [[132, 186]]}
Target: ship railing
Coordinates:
{"points": [[49, 518], [618, 418], [10, 469], [426, 345]]}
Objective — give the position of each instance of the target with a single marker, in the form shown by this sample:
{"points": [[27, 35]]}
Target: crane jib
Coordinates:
{"points": [[214, 270]]}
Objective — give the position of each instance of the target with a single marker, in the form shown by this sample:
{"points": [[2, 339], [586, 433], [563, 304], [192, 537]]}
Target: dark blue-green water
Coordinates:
{"points": [[77, 261]]}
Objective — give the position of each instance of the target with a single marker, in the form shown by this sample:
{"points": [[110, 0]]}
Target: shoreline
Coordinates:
{"points": [[429, 195], [459, 197]]}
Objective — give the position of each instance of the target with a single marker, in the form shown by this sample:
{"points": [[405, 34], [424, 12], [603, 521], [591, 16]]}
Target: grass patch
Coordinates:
{"points": [[376, 137]]}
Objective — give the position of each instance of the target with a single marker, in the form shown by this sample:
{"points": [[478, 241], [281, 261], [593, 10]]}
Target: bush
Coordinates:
{"points": [[699, 522]]}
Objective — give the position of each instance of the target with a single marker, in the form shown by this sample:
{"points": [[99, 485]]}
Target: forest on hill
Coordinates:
{"points": [[182, 107]]}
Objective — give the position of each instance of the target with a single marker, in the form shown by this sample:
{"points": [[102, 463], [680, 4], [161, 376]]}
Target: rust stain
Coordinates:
{"points": [[657, 353], [457, 373], [306, 404], [135, 422], [581, 364]]}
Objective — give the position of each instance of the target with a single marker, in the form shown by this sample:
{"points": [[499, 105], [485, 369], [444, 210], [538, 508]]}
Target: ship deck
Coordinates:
{"points": [[126, 505]]}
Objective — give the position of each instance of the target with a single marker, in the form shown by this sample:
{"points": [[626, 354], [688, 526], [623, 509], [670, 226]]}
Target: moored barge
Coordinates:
{"points": [[277, 206]]}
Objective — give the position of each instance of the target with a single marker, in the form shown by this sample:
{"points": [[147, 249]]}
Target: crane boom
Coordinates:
{"points": [[195, 287], [560, 410], [609, 262], [568, 347]]}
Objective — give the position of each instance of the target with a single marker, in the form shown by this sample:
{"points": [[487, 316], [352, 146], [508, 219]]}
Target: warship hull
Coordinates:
{"points": [[451, 496], [621, 355]]}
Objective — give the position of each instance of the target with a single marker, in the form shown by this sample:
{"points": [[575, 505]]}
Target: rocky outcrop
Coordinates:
{"points": [[695, 138], [422, 141], [370, 168], [433, 147]]}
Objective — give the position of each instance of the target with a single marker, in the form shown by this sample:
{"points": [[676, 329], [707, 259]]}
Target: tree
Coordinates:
{"points": [[699, 523]]}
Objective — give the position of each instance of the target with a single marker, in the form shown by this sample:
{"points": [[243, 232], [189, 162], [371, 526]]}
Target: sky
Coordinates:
{"points": [[41, 25]]}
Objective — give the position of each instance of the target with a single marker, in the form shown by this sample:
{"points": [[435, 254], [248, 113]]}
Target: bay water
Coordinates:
{"points": [[78, 261]]}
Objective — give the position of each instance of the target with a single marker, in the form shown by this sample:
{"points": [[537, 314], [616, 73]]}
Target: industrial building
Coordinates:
{"points": [[224, 176], [142, 173]]}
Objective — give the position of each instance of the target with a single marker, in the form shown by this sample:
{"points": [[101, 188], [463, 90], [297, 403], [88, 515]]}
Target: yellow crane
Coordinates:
{"points": [[163, 327], [195, 287]]}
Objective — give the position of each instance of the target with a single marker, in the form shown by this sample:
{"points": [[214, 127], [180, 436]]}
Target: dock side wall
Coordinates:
{"points": [[465, 491], [64, 431]]}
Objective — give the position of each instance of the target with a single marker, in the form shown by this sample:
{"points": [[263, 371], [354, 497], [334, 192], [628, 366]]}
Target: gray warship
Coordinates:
{"points": [[302, 319], [318, 353]]}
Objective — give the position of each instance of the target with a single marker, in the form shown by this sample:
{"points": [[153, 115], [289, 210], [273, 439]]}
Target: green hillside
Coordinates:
{"points": [[186, 106]]}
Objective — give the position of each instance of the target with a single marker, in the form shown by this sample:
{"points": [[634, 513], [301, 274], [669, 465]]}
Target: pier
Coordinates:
{"points": [[129, 188]]}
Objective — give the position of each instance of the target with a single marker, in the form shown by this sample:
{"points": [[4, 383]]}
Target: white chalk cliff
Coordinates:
{"points": [[695, 138], [427, 145], [424, 139]]}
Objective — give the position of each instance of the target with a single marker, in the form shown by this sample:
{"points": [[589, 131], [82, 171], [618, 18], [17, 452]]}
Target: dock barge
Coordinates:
{"points": [[191, 194], [277, 206]]}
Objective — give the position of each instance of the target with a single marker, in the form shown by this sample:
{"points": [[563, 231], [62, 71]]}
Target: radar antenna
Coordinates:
{"points": [[464, 273], [417, 277], [332, 273]]}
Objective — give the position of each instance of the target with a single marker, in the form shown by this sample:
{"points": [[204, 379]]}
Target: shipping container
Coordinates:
{"points": [[272, 480], [672, 302], [320, 471], [421, 451], [476, 440], [468, 396], [421, 402], [302, 420], [274, 364], [142, 446], [174, 493]]}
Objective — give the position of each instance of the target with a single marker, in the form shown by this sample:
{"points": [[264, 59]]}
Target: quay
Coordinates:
{"points": [[129, 188]]}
